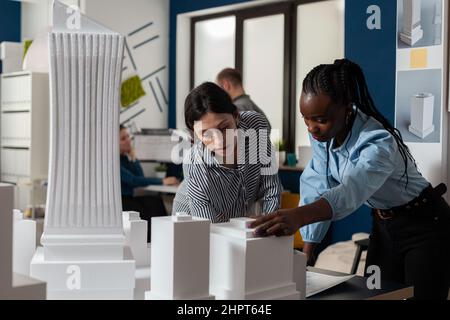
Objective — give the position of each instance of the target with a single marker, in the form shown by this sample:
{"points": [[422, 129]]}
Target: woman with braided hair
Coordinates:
{"points": [[359, 157]]}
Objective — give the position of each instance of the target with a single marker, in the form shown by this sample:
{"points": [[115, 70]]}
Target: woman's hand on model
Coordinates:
{"points": [[283, 222], [170, 181], [286, 222]]}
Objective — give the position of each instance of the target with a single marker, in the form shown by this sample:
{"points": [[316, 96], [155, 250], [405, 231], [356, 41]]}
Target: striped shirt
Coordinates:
{"points": [[215, 192]]}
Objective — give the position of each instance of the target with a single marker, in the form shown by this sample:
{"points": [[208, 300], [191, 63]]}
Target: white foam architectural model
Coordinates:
{"points": [[180, 258], [299, 276], [411, 29], [13, 285], [245, 267], [84, 255], [11, 54], [422, 106], [135, 230], [24, 242]]}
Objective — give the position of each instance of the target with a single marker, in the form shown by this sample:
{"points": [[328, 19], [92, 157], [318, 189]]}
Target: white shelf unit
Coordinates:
{"points": [[24, 136]]}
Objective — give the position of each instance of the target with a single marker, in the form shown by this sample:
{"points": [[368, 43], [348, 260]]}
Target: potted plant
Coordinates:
{"points": [[280, 146], [161, 171]]}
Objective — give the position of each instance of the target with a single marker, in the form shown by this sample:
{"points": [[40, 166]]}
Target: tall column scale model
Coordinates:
{"points": [[84, 253]]}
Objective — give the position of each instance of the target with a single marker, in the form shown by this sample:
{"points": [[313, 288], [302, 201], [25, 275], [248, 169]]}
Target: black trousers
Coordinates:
{"points": [[147, 206], [414, 249]]}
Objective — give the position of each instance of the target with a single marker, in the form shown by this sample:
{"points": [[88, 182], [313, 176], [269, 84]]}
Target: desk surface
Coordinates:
{"points": [[356, 289], [159, 188]]}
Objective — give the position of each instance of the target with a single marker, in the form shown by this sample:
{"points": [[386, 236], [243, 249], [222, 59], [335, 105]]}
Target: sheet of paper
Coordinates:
{"points": [[318, 282]]}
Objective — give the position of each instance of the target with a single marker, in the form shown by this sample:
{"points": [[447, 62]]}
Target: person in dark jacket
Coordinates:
{"points": [[131, 177]]}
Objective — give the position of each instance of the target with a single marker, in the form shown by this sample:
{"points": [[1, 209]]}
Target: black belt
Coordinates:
{"points": [[426, 197]]}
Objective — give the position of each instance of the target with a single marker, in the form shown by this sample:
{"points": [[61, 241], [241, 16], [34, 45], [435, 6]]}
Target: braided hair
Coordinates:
{"points": [[345, 84]]}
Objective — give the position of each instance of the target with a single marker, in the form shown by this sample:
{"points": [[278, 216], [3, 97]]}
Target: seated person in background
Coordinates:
{"points": [[131, 177], [230, 80]]}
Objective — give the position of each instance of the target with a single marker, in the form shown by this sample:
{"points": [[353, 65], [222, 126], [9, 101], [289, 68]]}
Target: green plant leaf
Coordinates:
{"points": [[131, 91]]}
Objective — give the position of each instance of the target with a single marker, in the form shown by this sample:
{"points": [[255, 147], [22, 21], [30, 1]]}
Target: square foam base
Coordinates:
{"points": [[410, 40], [421, 134], [111, 279]]}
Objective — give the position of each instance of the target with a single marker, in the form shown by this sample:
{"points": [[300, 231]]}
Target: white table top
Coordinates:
{"points": [[160, 188]]}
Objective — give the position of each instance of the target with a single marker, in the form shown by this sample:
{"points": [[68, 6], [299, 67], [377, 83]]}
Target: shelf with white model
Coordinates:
{"points": [[245, 267], [412, 30], [180, 258], [14, 285], [25, 134], [84, 253]]}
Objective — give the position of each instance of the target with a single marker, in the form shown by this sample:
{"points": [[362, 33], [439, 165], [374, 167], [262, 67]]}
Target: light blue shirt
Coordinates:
{"points": [[367, 168]]}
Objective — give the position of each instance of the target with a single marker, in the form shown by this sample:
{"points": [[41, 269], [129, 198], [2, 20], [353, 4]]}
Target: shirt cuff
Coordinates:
{"points": [[328, 196], [315, 232]]}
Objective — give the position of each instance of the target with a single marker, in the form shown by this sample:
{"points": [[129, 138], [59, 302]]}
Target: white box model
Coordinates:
{"points": [[300, 273], [13, 285], [422, 106], [11, 54], [245, 267], [411, 29], [24, 243], [180, 258], [135, 230], [84, 254]]}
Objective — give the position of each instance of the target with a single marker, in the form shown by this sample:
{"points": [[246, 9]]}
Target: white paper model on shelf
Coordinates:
{"points": [[246, 267], [84, 254], [437, 23], [411, 29], [13, 285], [135, 230], [24, 242], [11, 55], [180, 258], [422, 106]]}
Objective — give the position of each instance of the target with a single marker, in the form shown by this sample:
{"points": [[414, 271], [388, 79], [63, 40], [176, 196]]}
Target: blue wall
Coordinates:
{"points": [[9, 21], [374, 50]]}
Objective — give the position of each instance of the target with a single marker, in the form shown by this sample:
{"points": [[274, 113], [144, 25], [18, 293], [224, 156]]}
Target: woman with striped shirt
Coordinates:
{"points": [[230, 165]]}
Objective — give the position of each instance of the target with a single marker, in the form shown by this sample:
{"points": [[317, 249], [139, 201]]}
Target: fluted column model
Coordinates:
{"points": [[84, 254], [411, 29], [84, 206]]}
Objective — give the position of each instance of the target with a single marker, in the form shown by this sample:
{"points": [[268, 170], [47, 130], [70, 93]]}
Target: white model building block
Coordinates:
{"points": [[135, 230], [84, 253], [142, 284], [411, 30], [300, 273], [24, 243], [180, 258], [11, 55], [246, 267], [422, 106], [13, 285]]}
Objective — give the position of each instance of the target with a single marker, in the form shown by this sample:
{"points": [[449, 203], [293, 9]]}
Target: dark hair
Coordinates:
{"points": [[344, 82], [207, 97], [121, 127], [232, 75]]}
